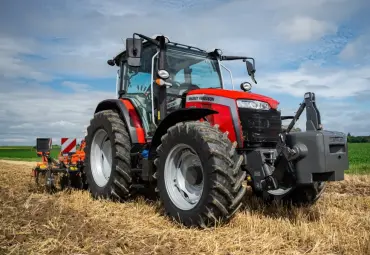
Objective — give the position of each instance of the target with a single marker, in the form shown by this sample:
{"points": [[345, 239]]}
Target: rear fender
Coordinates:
{"points": [[185, 114], [129, 115]]}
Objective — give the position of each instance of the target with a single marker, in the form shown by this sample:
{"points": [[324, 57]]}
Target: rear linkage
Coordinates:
{"points": [[265, 179], [313, 122]]}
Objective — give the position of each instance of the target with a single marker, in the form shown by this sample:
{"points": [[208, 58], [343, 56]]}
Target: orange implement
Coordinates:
{"points": [[79, 155]]}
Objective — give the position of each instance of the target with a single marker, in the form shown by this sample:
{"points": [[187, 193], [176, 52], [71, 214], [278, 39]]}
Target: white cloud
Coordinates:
{"points": [[357, 51], [75, 38], [304, 29], [47, 114], [325, 82], [96, 30], [76, 87], [12, 65]]}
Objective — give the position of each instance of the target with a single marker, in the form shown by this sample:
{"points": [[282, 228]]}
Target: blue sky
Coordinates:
{"points": [[53, 55]]}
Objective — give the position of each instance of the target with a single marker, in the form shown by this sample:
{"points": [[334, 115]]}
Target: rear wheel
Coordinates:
{"points": [[303, 195], [107, 160], [198, 174]]}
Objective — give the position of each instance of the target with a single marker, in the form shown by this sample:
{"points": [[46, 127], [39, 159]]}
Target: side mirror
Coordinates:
{"points": [[110, 62], [251, 70], [133, 50]]}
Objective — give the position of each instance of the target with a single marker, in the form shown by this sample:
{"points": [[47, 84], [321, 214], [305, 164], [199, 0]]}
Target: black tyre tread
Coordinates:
{"points": [[305, 195], [300, 196], [122, 178], [226, 190], [239, 196]]}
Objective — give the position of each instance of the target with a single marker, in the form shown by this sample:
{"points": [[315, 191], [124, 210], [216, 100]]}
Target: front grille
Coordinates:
{"points": [[260, 127]]}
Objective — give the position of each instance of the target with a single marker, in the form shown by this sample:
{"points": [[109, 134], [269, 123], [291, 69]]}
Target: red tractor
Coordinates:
{"points": [[174, 127]]}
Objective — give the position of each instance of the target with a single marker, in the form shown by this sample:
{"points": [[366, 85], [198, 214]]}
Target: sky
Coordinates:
{"points": [[53, 69]]}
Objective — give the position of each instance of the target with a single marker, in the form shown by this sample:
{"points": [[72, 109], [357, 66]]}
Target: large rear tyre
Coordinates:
{"points": [[107, 160], [199, 178], [306, 195], [300, 196]]}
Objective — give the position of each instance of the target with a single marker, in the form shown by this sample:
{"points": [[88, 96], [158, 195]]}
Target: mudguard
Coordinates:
{"points": [[129, 116], [184, 114]]}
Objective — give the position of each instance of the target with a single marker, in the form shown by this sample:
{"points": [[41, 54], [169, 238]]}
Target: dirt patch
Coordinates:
{"points": [[15, 162], [74, 223], [358, 185]]}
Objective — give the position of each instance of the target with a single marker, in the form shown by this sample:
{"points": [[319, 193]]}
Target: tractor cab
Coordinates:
{"points": [[159, 77]]}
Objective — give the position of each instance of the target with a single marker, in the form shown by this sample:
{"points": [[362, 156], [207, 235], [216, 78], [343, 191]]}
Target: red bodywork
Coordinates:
{"points": [[224, 102], [135, 120]]}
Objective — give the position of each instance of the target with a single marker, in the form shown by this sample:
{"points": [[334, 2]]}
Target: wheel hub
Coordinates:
{"points": [[183, 177], [194, 175], [101, 157]]}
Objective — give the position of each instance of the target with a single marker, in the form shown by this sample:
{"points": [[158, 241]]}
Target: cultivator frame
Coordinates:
{"points": [[68, 168]]}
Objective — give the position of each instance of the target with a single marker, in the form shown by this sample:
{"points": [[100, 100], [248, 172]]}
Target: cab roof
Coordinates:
{"points": [[170, 45]]}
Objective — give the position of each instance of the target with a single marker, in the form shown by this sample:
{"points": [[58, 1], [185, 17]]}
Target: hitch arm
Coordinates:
{"points": [[313, 115], [287, 117], [313, 121]]}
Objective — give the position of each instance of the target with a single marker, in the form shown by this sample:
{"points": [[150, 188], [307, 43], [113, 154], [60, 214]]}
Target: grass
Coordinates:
{"points": [[23, 153], [32, 222], [359, 158]]}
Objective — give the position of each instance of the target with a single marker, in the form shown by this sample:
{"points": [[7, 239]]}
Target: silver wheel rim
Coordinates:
{"points": [[101, 158], [184, 177]]}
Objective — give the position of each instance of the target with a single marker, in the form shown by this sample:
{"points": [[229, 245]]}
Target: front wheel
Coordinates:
{"points": [[198, 174]]}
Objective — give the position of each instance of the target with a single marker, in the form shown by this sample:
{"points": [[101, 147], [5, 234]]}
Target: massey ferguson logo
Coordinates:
{"points": [[201, 98]]}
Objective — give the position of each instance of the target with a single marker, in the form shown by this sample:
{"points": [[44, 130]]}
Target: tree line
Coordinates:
{"points": [[357, 139]]}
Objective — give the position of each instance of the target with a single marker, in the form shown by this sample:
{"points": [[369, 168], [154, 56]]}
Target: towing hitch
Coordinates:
{"points": [[315, 155]]}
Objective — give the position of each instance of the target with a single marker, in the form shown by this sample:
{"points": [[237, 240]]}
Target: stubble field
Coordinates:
{"points": [[32, 222]]}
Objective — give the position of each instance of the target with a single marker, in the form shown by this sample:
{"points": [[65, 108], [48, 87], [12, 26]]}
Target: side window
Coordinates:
{"points": [[139, 82], [139, 79], [137, 87]]}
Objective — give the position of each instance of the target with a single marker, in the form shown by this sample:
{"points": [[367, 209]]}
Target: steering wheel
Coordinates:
{"points": [[189, 86], [186, 86], [178, 84]]}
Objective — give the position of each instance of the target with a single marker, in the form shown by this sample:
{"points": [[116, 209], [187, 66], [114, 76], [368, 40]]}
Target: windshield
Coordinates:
{"points": [[190, 69], [187, 71]]}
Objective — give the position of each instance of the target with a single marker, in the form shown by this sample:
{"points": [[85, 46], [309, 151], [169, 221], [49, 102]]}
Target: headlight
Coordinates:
{"points": [[253, 104]]}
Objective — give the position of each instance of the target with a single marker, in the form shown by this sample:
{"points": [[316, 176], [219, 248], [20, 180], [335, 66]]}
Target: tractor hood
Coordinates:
{"points": [[233, 94]]}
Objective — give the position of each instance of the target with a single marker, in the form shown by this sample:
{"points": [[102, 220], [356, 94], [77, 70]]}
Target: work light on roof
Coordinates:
{"points": [[156, 35]]}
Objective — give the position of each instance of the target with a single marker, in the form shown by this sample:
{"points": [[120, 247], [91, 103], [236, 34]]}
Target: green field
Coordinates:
{"points": [[359, 156], [24, 153]]}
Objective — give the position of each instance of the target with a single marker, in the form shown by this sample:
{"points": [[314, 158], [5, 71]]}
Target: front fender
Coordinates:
{"points": [[128, 113], [185, 114]]}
